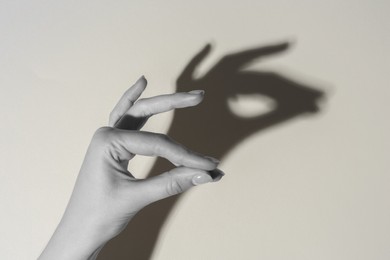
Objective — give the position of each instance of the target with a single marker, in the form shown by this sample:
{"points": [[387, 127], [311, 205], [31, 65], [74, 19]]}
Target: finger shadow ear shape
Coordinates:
{"points": [[188, 73], [236, 61]]}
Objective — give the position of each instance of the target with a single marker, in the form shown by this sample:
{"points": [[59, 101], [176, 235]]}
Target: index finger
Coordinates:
{"points": [[127, 100]]}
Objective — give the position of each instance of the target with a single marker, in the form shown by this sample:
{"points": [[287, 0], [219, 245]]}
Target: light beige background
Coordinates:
{"points": [[64, 64]]}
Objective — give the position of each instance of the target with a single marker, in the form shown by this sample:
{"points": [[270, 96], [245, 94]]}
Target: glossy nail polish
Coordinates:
{"points": [[201, 179]]}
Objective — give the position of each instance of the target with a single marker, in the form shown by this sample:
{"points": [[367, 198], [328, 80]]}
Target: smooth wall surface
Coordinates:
{"points": [[313, 187]]}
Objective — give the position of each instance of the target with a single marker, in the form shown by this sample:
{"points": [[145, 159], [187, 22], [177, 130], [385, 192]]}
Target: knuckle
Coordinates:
{"points": [[129, 100], [103, 134], [142, 108], [104, 142], [182, 156], [173, 186], [103, 130]]}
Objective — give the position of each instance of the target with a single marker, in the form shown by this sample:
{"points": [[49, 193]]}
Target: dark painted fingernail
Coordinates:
{"points": [[197, 92], [216, 174]]}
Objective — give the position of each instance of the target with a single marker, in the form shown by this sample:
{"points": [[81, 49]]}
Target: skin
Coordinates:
{"points": [[106, 195]]}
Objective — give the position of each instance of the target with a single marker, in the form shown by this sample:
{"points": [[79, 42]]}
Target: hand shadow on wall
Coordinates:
{"points": [[212, 129]]}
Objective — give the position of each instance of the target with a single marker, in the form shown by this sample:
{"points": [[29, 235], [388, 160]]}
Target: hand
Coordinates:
{"points": [[106, 195]]}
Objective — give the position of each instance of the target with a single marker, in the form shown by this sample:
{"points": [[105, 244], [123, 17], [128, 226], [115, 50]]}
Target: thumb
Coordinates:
{"points": [[177, 181]]}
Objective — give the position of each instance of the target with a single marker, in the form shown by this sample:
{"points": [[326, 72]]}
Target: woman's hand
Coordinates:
{"points": [[106, 195]]}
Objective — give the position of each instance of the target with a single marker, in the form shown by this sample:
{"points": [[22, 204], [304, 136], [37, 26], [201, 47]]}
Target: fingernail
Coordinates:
{"points": [[197, 92], [201, 179], [214, 160], [216, 174]]}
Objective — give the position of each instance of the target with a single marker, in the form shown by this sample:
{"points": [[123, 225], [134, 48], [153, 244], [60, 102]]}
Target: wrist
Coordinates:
{"points": [[76, 242]]}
